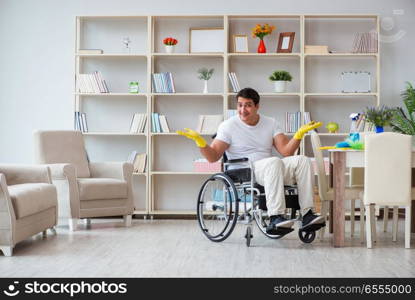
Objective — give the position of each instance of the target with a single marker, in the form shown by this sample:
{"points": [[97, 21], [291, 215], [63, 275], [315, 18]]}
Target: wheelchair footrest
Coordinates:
{"points": [[312, 227], [281, 231]]}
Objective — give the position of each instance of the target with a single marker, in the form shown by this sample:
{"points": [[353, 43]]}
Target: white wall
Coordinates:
{"points": [[37, 46]]}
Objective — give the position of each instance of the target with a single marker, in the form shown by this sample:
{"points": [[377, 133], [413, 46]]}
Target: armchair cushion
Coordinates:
{"points": [[32, 198], [102, 188]]}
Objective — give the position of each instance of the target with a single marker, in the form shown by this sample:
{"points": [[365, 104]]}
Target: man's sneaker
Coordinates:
{"points": [[310, 219], [279, 225]]}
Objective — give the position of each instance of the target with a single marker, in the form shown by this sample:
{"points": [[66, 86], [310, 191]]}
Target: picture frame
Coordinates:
{"points": [[207, 40], [240, 43], [285, 42]]}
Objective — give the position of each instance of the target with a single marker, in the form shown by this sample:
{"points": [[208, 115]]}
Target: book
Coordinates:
{"points": [[208, 124], [84, 123], [134, 123], [163, 124], [235, 79], [90, 51], [139, 164]]}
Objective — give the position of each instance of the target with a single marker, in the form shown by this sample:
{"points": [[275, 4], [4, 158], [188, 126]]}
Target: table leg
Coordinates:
{"points": [[339, 183]]}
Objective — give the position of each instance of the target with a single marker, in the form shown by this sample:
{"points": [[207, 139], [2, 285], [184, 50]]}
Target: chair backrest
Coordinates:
{"points": [[321, 171], [62, 146], [388, 169]]}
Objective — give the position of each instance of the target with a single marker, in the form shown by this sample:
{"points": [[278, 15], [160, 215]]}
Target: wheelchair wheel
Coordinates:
{"points": [[248, 236], [306, 236], [217, 207]]}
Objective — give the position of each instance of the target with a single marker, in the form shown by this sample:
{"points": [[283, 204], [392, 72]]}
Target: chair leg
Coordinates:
{"points": [[373, 223], [362, 221], [408, 227], [395, 223], [73, 224], [7, 250], [369, 217], [44, 234], [324, 210], [385, 218], [127, 220], [352, 208]]}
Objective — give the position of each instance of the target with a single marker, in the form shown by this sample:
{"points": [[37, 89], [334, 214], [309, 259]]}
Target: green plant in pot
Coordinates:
{"points": [[404, 122], [379, 117], [280, 79]]}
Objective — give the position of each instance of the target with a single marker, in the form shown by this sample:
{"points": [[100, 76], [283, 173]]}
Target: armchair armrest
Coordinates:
{"points": [[17, 174], [119, 170]]}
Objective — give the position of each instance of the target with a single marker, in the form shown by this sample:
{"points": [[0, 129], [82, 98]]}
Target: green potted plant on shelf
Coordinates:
{"points": [[205, 74], [379, 117], [280, 79], [405, 122]]}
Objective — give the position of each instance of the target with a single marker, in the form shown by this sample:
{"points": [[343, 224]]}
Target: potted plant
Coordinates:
{"points": [[260, 31], [205, 74], [378, 116], [169, 44], [280, 79], [405, 122]]}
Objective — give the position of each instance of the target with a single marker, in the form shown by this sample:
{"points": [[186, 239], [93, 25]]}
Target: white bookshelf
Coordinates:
{"points": [[170, 186]]}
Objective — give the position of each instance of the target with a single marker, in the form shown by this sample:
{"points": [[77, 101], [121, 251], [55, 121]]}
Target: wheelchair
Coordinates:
{"points": [[220, 198]]}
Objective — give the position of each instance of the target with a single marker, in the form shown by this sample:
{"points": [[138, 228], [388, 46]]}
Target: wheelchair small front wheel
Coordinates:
{"points": [[217, 207], [248, 236], [306, 236]]}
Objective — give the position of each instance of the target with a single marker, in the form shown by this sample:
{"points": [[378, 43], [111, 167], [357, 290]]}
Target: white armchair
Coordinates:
{"points": [[28, 204], [85, 190]]}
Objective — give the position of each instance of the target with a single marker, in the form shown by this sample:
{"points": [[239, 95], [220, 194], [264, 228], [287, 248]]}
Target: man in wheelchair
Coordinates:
{"points": [[252, 135]]}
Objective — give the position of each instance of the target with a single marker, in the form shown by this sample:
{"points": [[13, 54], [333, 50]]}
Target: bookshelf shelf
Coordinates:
{"points": [[114, 133], [174, 154], [112, 94], [188, 94], [112, 55], [351, 55], [340, 94]]}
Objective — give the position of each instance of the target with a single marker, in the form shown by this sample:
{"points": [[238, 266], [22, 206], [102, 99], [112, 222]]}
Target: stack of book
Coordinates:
{"points": [[138, 160], [292, 121], [159, 123], [234, 82], [80, 122], [365, 42], [208, 124], [361, 125], [91, 83], [138, 123], [163, 83]]}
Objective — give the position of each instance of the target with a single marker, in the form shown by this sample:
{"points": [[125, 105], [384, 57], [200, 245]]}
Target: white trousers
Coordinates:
{"points": [[274, 172]]}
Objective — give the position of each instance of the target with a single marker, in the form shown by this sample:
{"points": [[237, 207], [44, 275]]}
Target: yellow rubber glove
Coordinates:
{"points": [[193, 135], [306, 128]]}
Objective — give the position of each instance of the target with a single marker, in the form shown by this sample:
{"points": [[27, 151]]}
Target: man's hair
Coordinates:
{"points": [[248, 93]]}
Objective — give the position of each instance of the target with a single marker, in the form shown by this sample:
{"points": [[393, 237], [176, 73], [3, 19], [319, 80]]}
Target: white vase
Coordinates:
{"points": [[280, 86], [205, 89], [169, 48]]}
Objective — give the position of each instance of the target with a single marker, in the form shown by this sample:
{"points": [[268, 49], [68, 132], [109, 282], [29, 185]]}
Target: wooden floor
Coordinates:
{"points": [[177, 248]]}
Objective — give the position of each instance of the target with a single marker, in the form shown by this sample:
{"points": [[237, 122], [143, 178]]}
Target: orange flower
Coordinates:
{"points": [[262, 30]]}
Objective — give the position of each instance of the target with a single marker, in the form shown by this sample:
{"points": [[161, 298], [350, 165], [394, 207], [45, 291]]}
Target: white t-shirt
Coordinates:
{"points": [[254, 142]]}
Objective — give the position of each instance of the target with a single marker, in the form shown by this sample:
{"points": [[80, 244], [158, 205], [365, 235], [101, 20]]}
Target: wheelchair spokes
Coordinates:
{"points": [[217, 207]]}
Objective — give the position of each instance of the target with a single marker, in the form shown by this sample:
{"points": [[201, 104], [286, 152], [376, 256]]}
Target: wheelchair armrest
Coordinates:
{"points": [[238, 160]]}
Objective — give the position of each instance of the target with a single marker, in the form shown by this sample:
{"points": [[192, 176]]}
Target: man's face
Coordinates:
{"points": [[247, 110]]}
